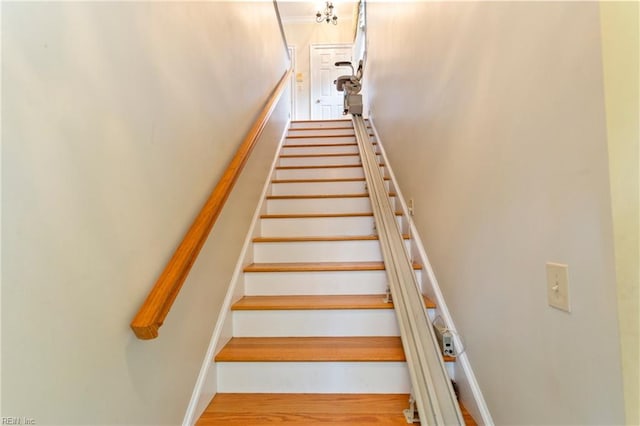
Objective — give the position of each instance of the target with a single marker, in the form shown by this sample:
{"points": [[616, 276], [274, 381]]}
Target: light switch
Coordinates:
{"points": [[558, 286]]}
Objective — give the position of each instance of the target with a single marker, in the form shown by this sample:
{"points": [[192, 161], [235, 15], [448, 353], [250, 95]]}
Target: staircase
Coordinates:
{"points": [[314, 340]]}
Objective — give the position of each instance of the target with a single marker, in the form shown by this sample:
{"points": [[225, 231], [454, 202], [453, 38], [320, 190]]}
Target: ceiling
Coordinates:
{"points": [[291, 11]]}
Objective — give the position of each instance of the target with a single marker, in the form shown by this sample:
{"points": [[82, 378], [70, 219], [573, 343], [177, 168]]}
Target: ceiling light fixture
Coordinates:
{"points": [[328, 15]]}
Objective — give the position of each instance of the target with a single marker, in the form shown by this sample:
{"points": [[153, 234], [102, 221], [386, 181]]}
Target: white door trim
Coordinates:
{"points": [[329, 45]]}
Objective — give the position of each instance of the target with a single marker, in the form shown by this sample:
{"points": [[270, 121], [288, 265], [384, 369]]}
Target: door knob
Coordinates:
{"points": [[317, 101]]}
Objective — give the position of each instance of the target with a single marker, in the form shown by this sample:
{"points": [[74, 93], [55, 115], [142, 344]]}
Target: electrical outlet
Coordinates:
{"points": [[558, 286], [411, 207]]}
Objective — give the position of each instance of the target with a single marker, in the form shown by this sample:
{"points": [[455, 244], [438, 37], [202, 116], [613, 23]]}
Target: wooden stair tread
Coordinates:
{"points": [[349, 154], [342, 135], [310, 403], [304, 409], [327, 166], [299, 129], [236, 409], [322, 180], [332, 120], [312, 349], [319, 238], [318, 267], [309, 145], [303, 196], [339, 126], [321, 166], [325, 120], [271, 303], [317, 215], [468, 419], [310, 302], [428, 303]]}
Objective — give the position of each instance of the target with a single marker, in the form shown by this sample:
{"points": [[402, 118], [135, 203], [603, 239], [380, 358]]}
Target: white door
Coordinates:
{"points": [[326, 101]]}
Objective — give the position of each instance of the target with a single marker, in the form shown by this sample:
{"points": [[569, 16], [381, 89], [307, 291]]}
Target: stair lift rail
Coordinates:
{"points": [[431, 387]]}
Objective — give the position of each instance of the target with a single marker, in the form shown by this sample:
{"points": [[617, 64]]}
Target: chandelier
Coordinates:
{"points": [[327, 16]]}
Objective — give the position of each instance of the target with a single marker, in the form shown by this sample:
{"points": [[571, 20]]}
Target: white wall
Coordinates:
{"points": [[118, 119], [493, 118], [302, 35], [620, 50]]}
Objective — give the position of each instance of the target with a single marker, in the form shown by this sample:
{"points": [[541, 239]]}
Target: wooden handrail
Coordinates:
{"points": [[155, 308]]}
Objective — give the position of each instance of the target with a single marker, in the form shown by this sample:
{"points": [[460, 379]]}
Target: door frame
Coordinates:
{"points": [[319, 46]]}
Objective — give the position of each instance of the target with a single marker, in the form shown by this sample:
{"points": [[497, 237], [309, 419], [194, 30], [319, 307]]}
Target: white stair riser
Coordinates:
{"points": [[331, 187], [313, 377], [318, 251], [320, 139], [319, 226], [315, 124], [432, 314], [301, 188], [323, 132], [321, 123], [317, 322], [451, 369], [337, 149], [320, 161], [314, 283], [319, 205], [325, 160], [321, 173]]}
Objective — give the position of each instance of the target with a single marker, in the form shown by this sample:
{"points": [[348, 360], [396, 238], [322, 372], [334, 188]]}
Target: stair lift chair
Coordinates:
{"points": [[350, 85]]}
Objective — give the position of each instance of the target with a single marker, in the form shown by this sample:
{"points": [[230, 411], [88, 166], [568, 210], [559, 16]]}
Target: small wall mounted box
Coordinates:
{"points": [[445, 339]]}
